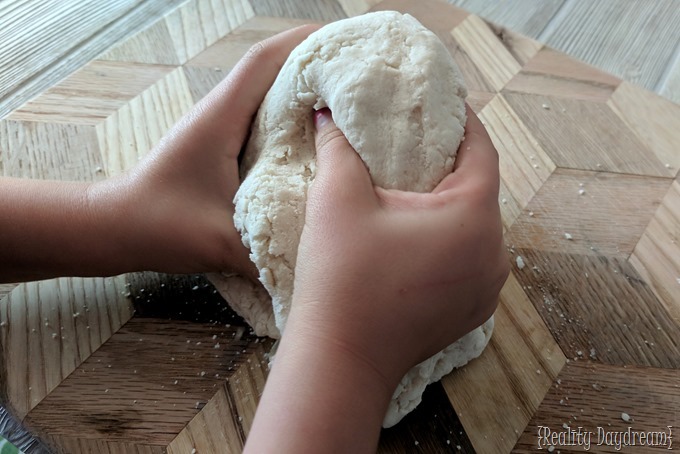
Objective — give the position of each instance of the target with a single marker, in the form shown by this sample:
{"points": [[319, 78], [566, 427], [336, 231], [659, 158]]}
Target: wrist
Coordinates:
{"points": [[338, 403]]}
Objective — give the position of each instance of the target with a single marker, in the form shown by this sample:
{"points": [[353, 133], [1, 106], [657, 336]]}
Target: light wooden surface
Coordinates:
{"points": [[589, 197], [41, 42]]}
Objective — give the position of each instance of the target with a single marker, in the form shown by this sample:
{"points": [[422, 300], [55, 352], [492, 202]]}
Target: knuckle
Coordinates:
{"points": [[330, 139], [257, 51]]}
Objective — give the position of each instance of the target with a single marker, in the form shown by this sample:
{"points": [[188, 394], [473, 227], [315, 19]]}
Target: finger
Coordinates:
{"points": [[230, 106], [340, 172], [477, 159]]}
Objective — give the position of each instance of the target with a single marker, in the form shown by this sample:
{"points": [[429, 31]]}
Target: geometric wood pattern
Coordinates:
{"points": [[591, 211], [606, 400]]}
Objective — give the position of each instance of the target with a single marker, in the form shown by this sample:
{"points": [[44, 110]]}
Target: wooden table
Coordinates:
{"points": [[587, 332]]}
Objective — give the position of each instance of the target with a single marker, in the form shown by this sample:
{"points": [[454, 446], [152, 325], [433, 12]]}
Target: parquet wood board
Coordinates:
{"points": [[590, 198]]}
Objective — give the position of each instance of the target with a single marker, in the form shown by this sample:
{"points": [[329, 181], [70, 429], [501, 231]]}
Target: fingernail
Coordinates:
{"points": [[322, 117]]}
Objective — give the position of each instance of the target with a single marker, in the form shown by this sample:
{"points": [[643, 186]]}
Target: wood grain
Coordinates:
{"points": [[209, 67], [5, 289], [496, 394], [488, 53], [122, 140], [568, 292], [625, 301], [433, 14], [599, 33], [520, 47], [654, 120], [510, 207], [49, 151], [527, 17], [246, 385], [525, 166], [43, 42], [49, 328], [669, 86], [657, 255], [320, 10], [144, 385], [183, 33], [590, 395], [19, 54], [584, 135], [356, 7], [552, 73], [202, 434], [607, 219], [91, 94]]}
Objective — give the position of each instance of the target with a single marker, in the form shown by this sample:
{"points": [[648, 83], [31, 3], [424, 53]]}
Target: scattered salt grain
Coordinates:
{"points": [[581, 192], [520, 262], [545, 106], [668, 166], [568, 236], [531, 214], [625, 417]]}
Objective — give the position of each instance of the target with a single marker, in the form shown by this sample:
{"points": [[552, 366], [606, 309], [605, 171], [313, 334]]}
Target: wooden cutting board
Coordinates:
{"points": [[587, 331]]}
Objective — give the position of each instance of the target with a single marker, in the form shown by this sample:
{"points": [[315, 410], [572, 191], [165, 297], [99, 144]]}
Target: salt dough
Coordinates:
{"points": [[399, 98]]}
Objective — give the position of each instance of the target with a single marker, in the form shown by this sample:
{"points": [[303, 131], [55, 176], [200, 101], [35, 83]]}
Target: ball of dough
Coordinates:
{"points": [[399, 98]]}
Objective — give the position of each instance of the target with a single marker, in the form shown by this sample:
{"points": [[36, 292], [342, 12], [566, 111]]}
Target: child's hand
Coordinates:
{"points": [[177, 204], [391, 276]]}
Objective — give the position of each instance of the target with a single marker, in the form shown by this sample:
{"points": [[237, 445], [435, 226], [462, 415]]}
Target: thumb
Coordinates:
{"points": [[339, 169]]}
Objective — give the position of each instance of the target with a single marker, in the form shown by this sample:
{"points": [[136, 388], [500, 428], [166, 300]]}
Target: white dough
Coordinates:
{"points": [[398, 97]]}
